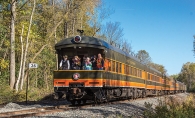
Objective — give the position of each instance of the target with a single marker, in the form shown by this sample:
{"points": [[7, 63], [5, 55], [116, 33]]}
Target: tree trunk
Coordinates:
{"points": [[27, 44], [21, 59], [36, 79], [45, 76], [55, 33], [12, 44]]}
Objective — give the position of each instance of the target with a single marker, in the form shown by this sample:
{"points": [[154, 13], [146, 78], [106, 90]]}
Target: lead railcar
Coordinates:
{"points": [[123, 75]]}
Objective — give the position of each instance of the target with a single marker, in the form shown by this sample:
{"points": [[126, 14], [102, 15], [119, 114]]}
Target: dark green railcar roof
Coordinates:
{"points": [[87, 40]]}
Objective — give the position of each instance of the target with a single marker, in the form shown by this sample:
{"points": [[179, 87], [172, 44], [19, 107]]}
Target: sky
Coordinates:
{"points": [[164, 28]]}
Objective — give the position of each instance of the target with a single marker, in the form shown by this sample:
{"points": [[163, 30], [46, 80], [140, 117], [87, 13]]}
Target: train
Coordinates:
{"points": [[122, 77]]}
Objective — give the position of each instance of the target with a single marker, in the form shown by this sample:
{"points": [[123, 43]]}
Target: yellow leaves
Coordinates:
{"points": [[190, 98], [3, 63], [7, 43]]}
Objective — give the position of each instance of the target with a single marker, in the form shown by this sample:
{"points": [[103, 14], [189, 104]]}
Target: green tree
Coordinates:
{"points": [[187, 75], [39, 25], [47, 23], [175, 76], [158, 67], [144, 57]]}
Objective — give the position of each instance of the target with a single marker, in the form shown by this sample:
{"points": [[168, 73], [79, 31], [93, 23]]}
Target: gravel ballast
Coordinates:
{"points": [[132, 108]]}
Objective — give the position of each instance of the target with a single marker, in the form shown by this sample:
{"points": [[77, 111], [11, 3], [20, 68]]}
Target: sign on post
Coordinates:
{"points": [[33, 65]]}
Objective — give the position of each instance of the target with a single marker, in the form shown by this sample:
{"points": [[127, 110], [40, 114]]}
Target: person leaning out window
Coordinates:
{"points": [[100, 62], [65, 64]]}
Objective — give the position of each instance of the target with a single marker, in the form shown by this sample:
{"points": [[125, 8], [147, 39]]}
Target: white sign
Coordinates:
{"points": [[33, 65]]}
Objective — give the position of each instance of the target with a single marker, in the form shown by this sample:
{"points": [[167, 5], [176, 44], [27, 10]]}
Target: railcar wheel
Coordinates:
{"points": [[144, 94], [73, 102], [134, 94], [84, 101], [79, 102]]}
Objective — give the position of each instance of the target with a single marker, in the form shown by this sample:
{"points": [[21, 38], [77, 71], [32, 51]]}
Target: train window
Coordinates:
{"points": [[119, 67], [148, 76], [127, 69], [135, 71], [163, 81], [113, 66], [109, 65], [156, 78], [124, 68], [138, 73], [141, 73], [132, 71]]}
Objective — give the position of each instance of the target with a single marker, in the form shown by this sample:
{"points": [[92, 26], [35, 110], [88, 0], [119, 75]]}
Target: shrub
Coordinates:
{"points": [[171, 109], [7, 95]]}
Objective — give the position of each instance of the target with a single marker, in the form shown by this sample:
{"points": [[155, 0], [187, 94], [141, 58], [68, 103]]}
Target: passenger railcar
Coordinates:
{"points": [[123, 76]]}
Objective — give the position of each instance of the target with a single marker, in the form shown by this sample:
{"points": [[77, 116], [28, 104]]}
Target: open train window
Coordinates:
{"points": [[81, 52]]}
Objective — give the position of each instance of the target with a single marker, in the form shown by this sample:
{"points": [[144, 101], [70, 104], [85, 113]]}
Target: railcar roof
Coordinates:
{"points": [[92, 41], [85, 40]]}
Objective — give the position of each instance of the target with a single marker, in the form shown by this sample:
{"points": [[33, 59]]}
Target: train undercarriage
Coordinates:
{"points": [[78, 94]]}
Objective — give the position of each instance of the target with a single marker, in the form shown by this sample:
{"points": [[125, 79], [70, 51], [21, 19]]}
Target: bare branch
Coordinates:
{"points": [[38, 52]]}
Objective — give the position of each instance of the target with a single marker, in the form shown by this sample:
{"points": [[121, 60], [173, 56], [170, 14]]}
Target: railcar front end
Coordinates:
{"points": [[78, 85]]}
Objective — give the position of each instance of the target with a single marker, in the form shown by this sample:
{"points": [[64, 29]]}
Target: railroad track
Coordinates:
{"points": [[58, 108], [34, 112], [50, 109]]}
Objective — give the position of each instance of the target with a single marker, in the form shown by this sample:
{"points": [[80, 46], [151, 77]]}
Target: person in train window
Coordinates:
{"points": [[93, 61], [83, 62], [76, 63], [88, 64], [100, 62], [65, 64]]}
